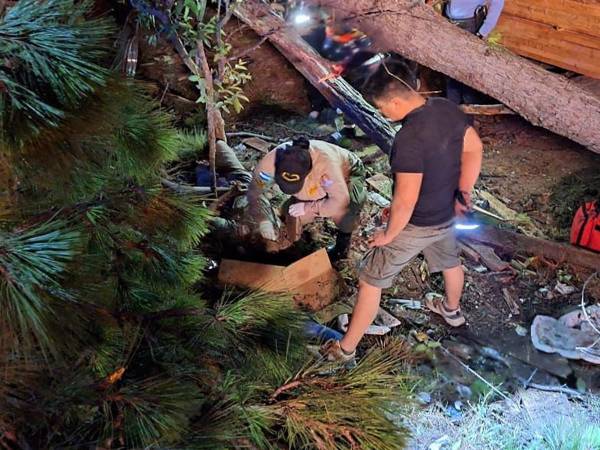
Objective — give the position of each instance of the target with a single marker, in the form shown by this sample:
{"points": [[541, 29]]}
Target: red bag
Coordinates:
{"points": [[585, 231]]}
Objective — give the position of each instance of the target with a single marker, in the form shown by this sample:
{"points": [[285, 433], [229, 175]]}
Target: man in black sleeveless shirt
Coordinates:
{"points": [[436, 155]]}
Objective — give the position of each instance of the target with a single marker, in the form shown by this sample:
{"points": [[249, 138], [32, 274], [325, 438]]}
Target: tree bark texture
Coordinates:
{"points": [[516, 242], [314, 68], [416, 31]]}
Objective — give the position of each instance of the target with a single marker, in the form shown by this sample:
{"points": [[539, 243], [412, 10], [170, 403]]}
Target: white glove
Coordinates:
{"points": [[267, 230], [297, 209]]}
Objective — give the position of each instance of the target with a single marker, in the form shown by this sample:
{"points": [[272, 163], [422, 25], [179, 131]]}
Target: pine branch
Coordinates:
{"points": [[51, 53], [32, 264]]}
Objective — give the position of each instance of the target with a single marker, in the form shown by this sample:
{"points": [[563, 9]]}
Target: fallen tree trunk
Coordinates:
{"points": [[416, 31], [314, 68], [515, 242]]}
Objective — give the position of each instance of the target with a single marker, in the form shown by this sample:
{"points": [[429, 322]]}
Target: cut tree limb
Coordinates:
{"points": [[314, 68], [416, 31], [516, 242], [486, 110]]}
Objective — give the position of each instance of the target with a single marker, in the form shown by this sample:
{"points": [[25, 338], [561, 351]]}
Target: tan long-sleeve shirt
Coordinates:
{"points": [[325, 188]]}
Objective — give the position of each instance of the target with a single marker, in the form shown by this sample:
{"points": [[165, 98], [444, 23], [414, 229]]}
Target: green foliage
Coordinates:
{"points": [[51, 57], [230, 89], [569, 194], [106, 338], [32, 263], [193, 25]]}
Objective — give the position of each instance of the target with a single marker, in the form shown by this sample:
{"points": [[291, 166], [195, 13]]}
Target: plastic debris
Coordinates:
{"points": [[407, 303], [564, 289], [377, 330], [378, 199]]}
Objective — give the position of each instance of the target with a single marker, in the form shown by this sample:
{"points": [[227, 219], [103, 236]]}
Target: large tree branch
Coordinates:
{"points": [[317, 71], [416, 31]]}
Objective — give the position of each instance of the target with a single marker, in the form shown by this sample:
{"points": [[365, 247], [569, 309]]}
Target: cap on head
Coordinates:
{"points": [[292, 165]]}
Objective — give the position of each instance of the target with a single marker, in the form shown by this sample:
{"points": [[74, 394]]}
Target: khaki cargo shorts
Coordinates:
{"points": [[380, 265]]}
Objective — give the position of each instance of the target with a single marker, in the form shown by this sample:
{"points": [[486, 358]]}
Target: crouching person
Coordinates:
{"points": [[323, 179], [435, 156]]}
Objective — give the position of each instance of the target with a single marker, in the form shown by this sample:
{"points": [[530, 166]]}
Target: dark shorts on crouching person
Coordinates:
{"points": [[438, 243]]}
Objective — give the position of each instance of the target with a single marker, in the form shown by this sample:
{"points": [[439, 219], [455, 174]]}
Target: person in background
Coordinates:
{"points": [[324, 180], [480, 18], [435, 160]]}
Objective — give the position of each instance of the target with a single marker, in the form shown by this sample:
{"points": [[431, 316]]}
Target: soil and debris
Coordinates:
{"points": [[528, 173]]}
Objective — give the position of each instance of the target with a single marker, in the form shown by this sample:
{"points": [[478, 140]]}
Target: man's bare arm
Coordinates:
{"points": [[472, 157], [406, 194]]}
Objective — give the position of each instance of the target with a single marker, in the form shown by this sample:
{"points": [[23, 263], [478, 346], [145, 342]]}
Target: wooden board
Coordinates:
{"points": [[564, 33], [571, 15]]}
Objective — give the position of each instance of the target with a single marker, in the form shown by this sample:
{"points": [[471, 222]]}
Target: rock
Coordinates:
{"points": [[424, 398], [453, 413], [463, 351], [521, 331], [521, 348], [464, 392], [564, 289]]}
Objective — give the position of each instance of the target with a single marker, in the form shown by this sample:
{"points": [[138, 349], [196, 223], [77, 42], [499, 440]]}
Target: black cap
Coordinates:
{"points": [[292, 164]]}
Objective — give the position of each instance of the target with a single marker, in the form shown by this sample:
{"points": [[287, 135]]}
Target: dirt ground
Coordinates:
{"points": [[530, 170]]}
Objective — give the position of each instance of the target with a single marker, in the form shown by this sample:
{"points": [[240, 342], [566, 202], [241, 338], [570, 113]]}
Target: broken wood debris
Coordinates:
{"points": [[513, 306], [487, 256], [382, 184], [517, 242], [257, 143], [486, 110]]}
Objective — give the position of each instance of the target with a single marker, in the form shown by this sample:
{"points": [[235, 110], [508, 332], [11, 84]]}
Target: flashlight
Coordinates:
{"points": [[467, 222], [301, 18], [466, 226]]}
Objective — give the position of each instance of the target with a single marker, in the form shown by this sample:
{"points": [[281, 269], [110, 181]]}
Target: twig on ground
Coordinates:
{"points": [[587, 317], [560, 389], [249, 134], [530, 378], [162, 97]]}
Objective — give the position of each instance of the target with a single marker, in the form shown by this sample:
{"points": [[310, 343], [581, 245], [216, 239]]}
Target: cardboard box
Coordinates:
{"points": [[312, 281]]}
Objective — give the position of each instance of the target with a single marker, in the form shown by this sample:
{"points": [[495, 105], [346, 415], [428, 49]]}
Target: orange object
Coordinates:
{"points": [[585, 230]]}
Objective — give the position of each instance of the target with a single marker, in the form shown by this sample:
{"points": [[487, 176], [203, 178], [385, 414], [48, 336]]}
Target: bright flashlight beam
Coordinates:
{"points": [[466, 227], [301, 18]]}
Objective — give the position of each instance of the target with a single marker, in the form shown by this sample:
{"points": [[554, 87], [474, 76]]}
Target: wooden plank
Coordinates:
{"points": [[572, 51], [572, 15]]}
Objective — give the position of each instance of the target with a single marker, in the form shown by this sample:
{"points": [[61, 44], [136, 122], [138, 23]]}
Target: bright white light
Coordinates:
{"points": [[301, 18], [466, 227]]}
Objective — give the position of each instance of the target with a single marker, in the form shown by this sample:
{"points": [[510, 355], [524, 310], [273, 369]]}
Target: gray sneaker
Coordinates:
{"points": [[332, 352]]}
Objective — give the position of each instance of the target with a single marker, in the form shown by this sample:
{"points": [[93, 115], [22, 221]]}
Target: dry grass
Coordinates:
{"points": [[533, 420]]}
